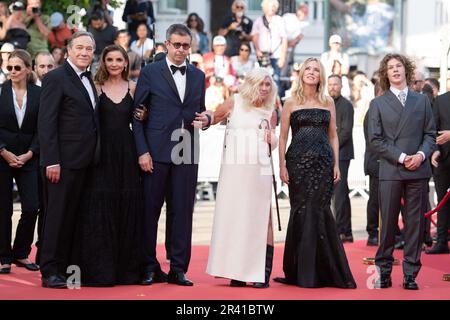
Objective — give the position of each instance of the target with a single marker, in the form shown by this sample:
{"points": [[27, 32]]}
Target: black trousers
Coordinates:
{"points": [[183, 181], [373, 208], [416, 197], [27, 185], [61, 213], [442, 183], [169, 221], [341, 201]]}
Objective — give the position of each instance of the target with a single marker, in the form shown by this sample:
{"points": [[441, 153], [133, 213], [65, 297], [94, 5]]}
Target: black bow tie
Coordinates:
{"points": [[86, 74], [175, 69]]}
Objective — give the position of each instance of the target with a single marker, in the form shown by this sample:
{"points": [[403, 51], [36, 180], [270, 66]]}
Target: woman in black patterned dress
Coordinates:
{"points": [[313, 254]]}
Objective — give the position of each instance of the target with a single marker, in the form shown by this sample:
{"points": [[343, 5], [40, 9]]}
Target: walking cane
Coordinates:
{"points": [[273, 172]]}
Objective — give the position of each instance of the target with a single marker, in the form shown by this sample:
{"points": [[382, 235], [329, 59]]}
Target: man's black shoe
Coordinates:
{"points": [[439, 248], [152, 277], [409, 283], [28, 266], [179, 278], [54, 282], [372, 242], [383, 282]]}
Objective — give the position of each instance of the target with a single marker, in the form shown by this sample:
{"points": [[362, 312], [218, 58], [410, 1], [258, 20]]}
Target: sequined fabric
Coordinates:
{"points": [[314, 255]]}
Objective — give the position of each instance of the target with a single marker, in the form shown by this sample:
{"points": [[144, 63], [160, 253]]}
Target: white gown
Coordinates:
{"points": [[243, 202]]}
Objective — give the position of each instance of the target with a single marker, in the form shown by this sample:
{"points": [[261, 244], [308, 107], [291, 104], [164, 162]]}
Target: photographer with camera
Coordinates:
{"points": [[38, 27], [236, 28], [14, 29]]}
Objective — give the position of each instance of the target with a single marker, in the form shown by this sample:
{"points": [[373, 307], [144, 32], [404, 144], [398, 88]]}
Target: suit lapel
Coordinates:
{"points": [[7, 87], [77, 82], [168, 76], [394, 102], [189, 79], [408, 110], [30, 104]]}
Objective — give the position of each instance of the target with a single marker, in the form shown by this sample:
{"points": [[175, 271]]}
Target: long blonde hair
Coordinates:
{"points": [[249, 89], [298, 89]]}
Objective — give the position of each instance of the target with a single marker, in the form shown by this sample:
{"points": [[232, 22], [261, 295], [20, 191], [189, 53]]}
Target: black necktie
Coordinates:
{"points": [[175, 69], [86, 74]]}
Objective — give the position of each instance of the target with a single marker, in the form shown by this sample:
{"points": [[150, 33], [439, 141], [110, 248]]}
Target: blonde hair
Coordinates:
{"points": [[249, 89], [265, 3], [298, 90]]}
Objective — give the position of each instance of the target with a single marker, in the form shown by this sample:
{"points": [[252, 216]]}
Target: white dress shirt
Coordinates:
{"points": [[20, 112], [397, 92], [180, 79], [85, 82]]}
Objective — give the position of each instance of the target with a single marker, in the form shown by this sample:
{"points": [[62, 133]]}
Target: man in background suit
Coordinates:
{"points": [[68, 135], [168, 148], [344, 123], [402, 131], [441, 172]]}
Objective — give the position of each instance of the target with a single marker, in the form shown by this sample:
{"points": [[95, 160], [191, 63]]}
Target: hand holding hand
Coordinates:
{"points": [[203, 118], [12, 159], [26, 157], [413, 162]]}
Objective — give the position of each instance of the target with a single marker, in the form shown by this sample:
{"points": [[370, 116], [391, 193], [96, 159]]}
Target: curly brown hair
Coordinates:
{"points": [[407, 63]]}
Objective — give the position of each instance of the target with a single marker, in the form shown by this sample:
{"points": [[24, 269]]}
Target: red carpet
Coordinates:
{"points": [[24, 285]]}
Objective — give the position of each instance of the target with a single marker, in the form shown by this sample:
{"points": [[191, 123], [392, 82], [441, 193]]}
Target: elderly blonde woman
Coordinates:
{"points": [[236, 28], [270, 40], [242, 237], [313, 254]]}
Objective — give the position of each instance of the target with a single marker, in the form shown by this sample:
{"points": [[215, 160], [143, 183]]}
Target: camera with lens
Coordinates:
{"points": [[36, 10]]}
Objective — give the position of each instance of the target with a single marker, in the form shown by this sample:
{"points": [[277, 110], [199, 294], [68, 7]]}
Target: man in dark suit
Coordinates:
{"points": [[344, 123], [441, 172], [371, 168], [167, 143], [402, 132], [68, 134]]}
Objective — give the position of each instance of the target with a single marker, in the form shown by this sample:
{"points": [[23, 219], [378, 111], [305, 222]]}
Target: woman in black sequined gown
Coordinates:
{"points": [[108, 235], [313, 255]]}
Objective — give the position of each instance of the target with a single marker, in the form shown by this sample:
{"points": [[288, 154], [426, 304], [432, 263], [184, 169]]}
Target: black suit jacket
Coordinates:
{"points": [[344, 124], [441, 112], [68, 123], [156, 89], [14, 139], [394, 129]]}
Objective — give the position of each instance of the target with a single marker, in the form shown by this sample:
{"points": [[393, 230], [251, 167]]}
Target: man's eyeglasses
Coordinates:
{"points": [[240, 7], [244, 50], [178, 45], [10, 68], [417, 81]]}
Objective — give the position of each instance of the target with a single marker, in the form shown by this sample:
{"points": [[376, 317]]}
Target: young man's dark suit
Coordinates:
{"points": [[395, 129]]}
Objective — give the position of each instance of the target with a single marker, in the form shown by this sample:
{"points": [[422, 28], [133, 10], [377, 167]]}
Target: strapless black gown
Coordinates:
{"points": [[108, 235], [314, 255]]}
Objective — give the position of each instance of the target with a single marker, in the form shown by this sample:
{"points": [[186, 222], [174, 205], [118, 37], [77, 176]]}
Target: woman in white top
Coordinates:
{"points": [[143, 46], [242, 237]]}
